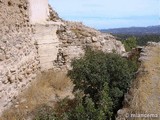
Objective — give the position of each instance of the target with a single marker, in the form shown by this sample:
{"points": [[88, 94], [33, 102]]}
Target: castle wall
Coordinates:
{"points": [[47, 44], [18, 54], [29, 43], [38, 11]]}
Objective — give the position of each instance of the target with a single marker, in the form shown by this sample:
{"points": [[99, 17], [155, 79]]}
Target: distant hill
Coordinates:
{"points": [[135, 30]]}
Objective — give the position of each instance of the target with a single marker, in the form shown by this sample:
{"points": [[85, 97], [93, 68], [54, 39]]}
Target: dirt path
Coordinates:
{"points": [[153, 67], [145, 90], [146, 93]]}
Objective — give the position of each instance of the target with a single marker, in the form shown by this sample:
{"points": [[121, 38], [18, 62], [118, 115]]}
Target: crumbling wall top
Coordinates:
{"points": [[38, 11]]}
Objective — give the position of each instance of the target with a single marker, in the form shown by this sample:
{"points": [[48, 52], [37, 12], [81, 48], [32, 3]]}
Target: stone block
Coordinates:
{"points": [[11, 78], [47, 66], [2, 57], [12, 70], [46, 39], [48, 48], [20, 78], [94, 39], [70, 41]]}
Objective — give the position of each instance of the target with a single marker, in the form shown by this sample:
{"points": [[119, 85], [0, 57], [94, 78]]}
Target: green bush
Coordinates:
{"points": [[44, 112], [95, 69], [86, 109], [130, 43], [103, 79]]}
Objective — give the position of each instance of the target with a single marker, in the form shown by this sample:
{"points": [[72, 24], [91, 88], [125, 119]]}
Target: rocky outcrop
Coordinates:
{"points": [[75, 37], [143, 98], [53, 15]]}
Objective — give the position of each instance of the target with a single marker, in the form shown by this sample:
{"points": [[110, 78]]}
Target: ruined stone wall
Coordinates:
{"points": [[26, 48], [18, 55], [70, 39], [74, 37], [47, 44]]}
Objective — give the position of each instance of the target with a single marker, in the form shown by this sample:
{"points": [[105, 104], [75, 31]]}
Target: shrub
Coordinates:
{"points": [[102, 80], [85, 108], [96, 69], [44, 112], [130, 43]]}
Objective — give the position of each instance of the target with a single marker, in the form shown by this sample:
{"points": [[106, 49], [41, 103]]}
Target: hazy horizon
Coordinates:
{"points": [[105, 14]]}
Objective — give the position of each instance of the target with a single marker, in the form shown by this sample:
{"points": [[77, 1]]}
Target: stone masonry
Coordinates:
{"points": [[18, 55], [75, 37], [33, 38], [47, 44]]}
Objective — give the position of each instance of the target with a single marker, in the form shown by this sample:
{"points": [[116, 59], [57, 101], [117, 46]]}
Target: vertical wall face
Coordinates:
{"points": [[38, 11], [47, 43], [45, 33], [18, 54]]}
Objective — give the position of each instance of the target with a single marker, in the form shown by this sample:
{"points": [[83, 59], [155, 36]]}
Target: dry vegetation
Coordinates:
{"points": [[81, 33], [146, 94], [47, 89]]}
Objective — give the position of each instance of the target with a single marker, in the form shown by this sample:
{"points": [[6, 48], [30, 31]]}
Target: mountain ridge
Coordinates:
{"points": [[134, 30]]}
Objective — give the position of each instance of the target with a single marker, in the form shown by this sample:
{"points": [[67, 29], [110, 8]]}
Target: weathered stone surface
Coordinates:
{"points": [[2, 57], [75, 35], [20, 77], [54, 16], [94, 39], [39, 11], [33, 41], [48, 44], [17, 50]]}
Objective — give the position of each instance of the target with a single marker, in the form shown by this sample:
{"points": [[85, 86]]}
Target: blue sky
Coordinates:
{"points": [[103, 14]]}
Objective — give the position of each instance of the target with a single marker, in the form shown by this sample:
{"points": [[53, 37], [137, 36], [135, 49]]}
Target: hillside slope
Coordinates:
{"points": [[144, 95]]}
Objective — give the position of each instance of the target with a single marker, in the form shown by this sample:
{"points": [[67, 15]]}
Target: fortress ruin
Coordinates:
{"points": [[31, 34]]}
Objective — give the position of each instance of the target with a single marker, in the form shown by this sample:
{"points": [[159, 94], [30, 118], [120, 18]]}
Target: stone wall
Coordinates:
{"points": [[47, 43], [18, 55], [75, 36], [31, 41]]}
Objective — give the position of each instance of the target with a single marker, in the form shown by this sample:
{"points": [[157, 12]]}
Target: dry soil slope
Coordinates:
{"points": [[145, 91]]}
